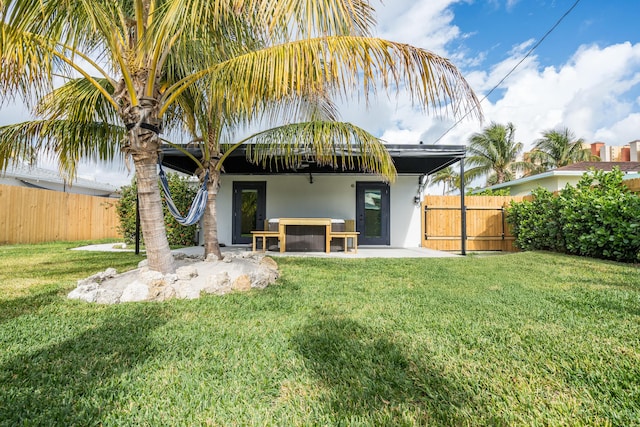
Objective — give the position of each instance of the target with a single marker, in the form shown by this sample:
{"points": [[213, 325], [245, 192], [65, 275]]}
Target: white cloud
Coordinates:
{"points": [[582, 94], [590, 93], [424, 24]]}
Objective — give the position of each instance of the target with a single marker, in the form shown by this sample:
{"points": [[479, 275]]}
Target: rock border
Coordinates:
{"points": [[194, 276]]}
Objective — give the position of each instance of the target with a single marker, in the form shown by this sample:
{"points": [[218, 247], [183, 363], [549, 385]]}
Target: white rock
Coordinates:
{"points": [[187, 290], [218, 283], [136, 291], [150, 277], [187, 272], [86, 292], [212, 258], [192, 278]]}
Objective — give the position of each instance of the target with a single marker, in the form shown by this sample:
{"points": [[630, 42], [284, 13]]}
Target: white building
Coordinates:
{"points": [[384, 214]]}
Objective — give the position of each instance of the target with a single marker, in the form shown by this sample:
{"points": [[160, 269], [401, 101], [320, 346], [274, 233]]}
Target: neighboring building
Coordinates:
{"points": [[616, 153], [33, 177], [384, 214], [557, 179]]}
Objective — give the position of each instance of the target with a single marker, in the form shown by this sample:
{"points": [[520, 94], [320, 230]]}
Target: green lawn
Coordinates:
{"points": [[521, 339]]}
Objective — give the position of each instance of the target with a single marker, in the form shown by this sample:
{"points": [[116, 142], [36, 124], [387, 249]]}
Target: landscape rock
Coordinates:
{"points": [[238, 272], [187, 272], [242, 283], [136, 291], [218, 284], [85, 291]]}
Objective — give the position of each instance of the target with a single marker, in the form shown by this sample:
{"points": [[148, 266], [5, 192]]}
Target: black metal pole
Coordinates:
{"points": [[137, 225], [463, 212]]}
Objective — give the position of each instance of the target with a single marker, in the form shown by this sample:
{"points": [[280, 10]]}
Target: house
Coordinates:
{"points": [[384, 214], [23, 175], [557, 179]]}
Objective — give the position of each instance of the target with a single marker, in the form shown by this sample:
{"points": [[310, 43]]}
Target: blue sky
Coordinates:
{"points": [[495, 27], [585, 75]]}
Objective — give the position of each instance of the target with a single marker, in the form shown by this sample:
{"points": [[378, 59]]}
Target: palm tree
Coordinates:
{"points": [[246, 55], [493, 153], [447, 177], [313, 132], [559, 148]]}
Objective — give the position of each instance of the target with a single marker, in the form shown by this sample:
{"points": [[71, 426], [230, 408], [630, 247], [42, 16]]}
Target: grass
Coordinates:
{"points": [[521, 339]]}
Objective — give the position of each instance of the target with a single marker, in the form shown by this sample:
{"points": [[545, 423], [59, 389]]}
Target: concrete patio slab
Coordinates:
{"points": [[363, 252]]}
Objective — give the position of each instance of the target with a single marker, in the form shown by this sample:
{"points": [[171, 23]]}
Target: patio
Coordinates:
{"points": [[363, 252]]}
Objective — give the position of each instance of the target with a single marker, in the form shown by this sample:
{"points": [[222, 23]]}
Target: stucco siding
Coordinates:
{"points": [[329, 196]]}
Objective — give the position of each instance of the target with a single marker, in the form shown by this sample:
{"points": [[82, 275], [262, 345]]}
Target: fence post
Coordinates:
{"points": [[463, 212], [137, 224]]}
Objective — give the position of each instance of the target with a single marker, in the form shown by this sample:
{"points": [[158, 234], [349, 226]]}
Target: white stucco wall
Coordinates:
{"points": [[552, 183], [329, 196]]}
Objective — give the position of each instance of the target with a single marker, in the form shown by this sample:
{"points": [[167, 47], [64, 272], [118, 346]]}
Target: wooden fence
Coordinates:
{"points": [[30, 215], [633, 184], [487, 229], [486, 226]]}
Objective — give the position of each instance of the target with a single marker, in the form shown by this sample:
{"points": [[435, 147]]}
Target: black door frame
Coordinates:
{"points": [[261, 209], [385, 207]]}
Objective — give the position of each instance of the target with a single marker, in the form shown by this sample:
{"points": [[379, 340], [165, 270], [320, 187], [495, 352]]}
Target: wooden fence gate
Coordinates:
{"points": [[486, 227]]}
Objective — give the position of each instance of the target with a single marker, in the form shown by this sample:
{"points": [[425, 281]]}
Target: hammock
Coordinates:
{"points": [[197, 207]]}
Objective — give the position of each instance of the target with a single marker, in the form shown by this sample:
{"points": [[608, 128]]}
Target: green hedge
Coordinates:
{"points": [[182, 192], [598, 218]]}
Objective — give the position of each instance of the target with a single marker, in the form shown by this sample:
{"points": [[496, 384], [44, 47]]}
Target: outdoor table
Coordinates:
{"points": [[305, 234]]}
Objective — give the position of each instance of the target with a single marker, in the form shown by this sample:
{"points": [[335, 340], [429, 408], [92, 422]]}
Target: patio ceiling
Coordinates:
{"points": [[409, 159]]}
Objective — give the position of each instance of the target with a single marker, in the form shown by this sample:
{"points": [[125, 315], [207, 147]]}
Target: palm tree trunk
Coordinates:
{"points": [[143, 145], [159, 255], [211, 244]]}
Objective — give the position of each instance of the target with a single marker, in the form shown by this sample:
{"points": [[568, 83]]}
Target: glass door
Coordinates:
{"points": [[372, 213], [249, 210]]}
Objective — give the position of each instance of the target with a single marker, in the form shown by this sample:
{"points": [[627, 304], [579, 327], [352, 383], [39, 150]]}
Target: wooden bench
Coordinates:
{"points": [[264, 235], [346, 235]]}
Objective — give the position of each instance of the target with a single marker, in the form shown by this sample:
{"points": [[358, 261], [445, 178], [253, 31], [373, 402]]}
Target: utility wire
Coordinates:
{"points": [[512, 70]]}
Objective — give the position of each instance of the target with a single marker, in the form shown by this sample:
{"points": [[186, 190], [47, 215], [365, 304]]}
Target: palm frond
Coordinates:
{"points": [[334, 144], [340, 65], [66, 140], [559, 148], [79, 100]]}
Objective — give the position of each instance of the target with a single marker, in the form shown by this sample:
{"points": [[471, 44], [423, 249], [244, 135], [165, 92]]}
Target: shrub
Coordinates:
{"points": [[490, 192], [598, 218], [182, 192], [536, 224], [602, 218]]}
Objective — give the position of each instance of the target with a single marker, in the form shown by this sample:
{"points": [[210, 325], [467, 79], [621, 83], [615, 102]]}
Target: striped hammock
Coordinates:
{"points": [[197, 207]]}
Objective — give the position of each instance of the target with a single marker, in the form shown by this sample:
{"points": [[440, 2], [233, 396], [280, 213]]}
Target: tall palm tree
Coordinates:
{"points": [[493, 153], [447, 177], [559, 148], [247, 54]]}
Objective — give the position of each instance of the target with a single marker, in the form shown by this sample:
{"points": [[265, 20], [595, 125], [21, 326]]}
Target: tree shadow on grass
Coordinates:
{"points": [[16, 307], [77, 381], [368, 379]]}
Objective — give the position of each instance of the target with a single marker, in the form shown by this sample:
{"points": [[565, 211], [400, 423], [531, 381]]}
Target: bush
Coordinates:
{"points": [[598, 218], [490, 192], [537, 224], [182, 192]]}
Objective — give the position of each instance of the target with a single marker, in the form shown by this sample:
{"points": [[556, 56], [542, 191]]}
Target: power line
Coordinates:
{"points": [[512, 69]]}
